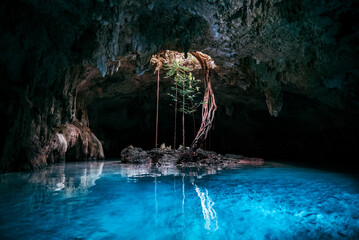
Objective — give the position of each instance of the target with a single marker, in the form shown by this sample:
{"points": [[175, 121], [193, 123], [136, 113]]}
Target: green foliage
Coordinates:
{"points": [[176, 70], [186, 86]]}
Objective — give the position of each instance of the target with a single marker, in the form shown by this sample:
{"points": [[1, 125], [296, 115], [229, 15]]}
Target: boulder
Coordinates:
{"points": [[165, 156], [135, 155], [59, 148], [203, 154], [169, 159], [81, 143]]}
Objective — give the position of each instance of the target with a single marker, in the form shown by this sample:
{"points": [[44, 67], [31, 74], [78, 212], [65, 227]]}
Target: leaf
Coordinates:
{"points": [[184, 68]]}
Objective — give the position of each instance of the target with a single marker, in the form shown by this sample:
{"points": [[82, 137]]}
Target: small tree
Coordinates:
{"points": [[209, 106], [192, 90], [187, 87], [158, 61], [189, 90], [179, 74]]}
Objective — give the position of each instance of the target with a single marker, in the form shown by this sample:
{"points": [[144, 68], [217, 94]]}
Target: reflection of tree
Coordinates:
{"points": [[135, 170], [156, 203], [129, 170], [209, 214], [183, 193], [143, 170]]}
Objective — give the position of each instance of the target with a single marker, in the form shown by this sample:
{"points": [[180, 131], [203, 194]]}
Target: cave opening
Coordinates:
{"points": [[121, 120], [185, 91], [121, 112]]}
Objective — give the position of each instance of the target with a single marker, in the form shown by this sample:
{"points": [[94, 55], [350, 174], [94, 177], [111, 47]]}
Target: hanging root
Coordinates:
{"points": [[208, 109]]}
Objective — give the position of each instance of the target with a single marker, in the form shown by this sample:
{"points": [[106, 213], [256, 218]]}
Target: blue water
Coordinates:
{"points": [[107, 200]]}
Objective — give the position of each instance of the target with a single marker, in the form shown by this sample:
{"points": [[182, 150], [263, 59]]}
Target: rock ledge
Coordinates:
{"points": [[163, 157]]}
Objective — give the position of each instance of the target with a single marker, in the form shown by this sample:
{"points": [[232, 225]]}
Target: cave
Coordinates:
{"points": [[93, 113]]}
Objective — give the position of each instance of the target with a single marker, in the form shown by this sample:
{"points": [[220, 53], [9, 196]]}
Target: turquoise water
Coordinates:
{"points": [[108, 200]]}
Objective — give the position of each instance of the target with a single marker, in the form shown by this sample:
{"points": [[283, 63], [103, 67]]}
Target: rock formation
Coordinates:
{"points": [[62, 60], [170, 158]]}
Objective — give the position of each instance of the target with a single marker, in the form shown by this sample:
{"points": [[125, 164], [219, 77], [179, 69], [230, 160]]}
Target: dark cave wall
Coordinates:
{"points": [[54, 55], [41, 74], [306, 129], [51, 53]]}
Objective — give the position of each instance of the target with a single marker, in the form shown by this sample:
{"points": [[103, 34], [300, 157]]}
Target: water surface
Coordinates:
{"points": [[108, 200]]}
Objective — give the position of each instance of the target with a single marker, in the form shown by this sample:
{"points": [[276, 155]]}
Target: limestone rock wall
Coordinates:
{"points": [[53, 52]]}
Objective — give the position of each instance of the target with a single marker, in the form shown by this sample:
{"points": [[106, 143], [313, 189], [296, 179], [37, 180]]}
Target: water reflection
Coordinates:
{"points": [[147, 170], [143, 170], [65, 180], [72, 178], [209, 214], [78, 178], [73, 182], [183, 194], [108, 200], [156, 203]]}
